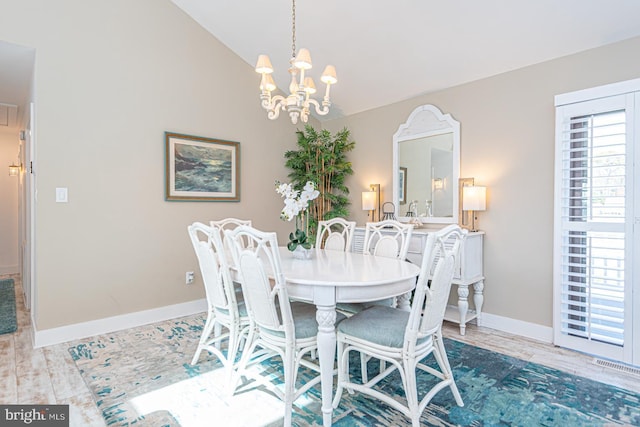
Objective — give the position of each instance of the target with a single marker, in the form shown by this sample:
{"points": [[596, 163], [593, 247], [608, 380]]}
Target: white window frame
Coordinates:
{"points": [[629, 96]]}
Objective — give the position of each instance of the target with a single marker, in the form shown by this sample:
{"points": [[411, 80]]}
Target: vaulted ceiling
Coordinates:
{"points": [[388, 51]]}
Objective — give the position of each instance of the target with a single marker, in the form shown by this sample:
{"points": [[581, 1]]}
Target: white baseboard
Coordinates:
{"points": [[116, 323], [517, 327], [9, 269]]}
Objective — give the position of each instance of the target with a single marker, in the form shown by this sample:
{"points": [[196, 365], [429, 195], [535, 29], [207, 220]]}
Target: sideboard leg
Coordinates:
{"points": [[478, 299], [463, 306]]}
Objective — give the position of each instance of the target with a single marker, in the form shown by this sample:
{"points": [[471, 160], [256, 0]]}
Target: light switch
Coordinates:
{"points": [[61, 195]]}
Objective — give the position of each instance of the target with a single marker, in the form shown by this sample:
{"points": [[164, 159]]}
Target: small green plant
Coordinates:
{"points": [[298, 238]]}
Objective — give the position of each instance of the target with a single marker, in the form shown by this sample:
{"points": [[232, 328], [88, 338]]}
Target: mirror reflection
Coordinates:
{"points": [[427, 159], [427, 166]]}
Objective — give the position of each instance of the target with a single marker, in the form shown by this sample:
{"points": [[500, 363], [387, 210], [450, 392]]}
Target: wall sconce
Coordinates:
{"points": [[371, 201], [14, 170], [474, 198], [438, 183]]}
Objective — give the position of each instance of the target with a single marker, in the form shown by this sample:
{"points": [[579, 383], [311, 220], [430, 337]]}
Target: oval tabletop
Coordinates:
{"points": [[354, 276]]}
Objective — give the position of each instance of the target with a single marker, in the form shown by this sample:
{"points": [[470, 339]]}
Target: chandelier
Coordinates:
{"points": [[299, 100]]}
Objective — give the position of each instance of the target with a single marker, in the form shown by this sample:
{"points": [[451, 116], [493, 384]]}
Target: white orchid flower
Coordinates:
{"points": [[295, 201]]}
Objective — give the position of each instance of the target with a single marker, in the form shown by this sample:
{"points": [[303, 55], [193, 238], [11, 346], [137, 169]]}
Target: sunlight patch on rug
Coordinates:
{"points": [[196, 399]]}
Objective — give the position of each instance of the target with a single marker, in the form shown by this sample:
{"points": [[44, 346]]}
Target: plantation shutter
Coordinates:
{"points": [[591, 268]]}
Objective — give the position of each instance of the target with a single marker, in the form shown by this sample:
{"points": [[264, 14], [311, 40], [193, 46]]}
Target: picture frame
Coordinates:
{"points": [[402, 186], [201, 169]]}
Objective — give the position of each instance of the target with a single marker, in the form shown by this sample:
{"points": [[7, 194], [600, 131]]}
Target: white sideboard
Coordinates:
{"points": [[469, 272]]}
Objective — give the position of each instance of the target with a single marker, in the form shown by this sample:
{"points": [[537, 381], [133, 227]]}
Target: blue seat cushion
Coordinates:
{"points": [[304, 320], [357, 307], [379, 324], [242, 309]]}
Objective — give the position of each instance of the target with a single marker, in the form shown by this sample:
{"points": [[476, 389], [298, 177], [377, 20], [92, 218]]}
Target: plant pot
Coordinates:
{"points": [[302, 253]]}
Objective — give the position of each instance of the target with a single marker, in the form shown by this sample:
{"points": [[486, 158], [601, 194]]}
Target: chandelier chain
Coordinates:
{"points": [[293, 29]]}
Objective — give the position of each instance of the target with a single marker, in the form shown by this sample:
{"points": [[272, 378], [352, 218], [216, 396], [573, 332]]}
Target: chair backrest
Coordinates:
{"points": [[229, 224], [389, 238], [335, 234], [213, 266], [434, 282], [261, 277]]}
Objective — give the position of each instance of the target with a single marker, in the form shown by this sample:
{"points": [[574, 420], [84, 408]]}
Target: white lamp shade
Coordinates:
{"points": [[267, 83], [329, 75], [474, 198], [263, 66], [303, 60], [14, 170], [309, 85], [368, 200]]}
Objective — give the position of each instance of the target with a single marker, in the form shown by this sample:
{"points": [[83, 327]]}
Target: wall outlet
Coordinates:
{"points": [[189, 277]]}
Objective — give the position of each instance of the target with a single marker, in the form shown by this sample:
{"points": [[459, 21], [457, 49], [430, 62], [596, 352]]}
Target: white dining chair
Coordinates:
{"points": [[403, 339], [223, 308], [281, 327], [228, 224], [389, 238], [335, 234]]}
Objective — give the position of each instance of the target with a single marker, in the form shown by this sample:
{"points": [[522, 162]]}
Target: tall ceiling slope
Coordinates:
{"points": [[388, 51]]}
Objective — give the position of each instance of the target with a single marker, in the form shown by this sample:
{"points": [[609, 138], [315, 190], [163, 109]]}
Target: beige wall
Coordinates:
{"points": [[111, 77], [507, 144], [9, 146]]}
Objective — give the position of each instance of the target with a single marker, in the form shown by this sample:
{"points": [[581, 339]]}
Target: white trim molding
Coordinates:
{"points": [[76, 331], [517, 327]]}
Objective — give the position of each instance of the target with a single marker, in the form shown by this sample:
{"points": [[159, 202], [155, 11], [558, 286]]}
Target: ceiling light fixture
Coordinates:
{"points": [[299, 100]]}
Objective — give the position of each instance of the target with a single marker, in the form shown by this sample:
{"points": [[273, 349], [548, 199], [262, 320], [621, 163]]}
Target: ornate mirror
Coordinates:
{"points": [[426, 167]]}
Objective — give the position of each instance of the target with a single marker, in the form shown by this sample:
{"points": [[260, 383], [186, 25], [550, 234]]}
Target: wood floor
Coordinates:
{"points": [[48, 375]]}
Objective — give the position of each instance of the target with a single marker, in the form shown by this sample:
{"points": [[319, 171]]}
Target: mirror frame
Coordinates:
{"points": [[427, 120]]}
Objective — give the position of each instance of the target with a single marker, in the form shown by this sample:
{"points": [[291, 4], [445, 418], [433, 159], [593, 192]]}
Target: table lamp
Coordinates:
{"points": [[370, 199], [474, 198]]}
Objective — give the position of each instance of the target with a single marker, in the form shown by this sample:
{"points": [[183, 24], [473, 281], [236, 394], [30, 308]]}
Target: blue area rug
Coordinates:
{"points": [[7, 307], [142, 377]]}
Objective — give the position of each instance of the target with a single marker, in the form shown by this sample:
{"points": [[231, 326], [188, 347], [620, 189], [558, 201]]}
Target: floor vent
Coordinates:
{"points": [[618, 367]]}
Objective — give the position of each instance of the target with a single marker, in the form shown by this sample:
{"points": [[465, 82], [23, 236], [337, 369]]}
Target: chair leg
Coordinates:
{"points": [[411, 390], [206, 331], [363, 367], [441, 352], [343, 374], [244, 360], [217, 330], [289, 365]]}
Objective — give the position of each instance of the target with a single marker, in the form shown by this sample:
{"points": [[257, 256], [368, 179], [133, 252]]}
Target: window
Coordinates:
{"points": [[594, 239]]}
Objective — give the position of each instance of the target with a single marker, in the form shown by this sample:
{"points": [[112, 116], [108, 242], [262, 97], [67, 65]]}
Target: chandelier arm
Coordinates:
{"points": [[274, 106], [322, 111]]}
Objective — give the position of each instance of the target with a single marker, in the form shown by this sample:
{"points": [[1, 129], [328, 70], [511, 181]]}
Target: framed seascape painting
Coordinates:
{"points": [[201, 169]]}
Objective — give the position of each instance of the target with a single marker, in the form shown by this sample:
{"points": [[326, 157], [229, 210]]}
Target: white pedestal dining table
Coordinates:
{"points": [[331, 277]]}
